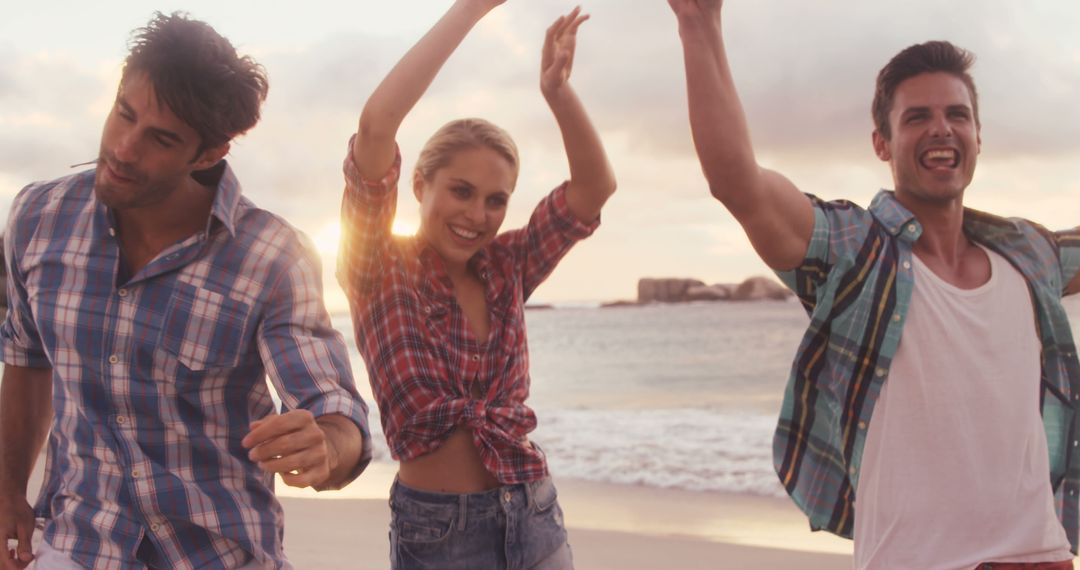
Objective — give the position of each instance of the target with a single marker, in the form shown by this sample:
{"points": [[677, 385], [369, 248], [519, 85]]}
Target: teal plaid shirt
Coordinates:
{"points": [[856, 283]]}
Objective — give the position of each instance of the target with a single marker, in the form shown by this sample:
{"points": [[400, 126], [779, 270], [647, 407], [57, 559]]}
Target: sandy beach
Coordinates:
{"points": [[610, 526]]}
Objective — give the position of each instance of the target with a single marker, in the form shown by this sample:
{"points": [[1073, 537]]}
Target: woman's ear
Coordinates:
{"points": [[418, 186]]}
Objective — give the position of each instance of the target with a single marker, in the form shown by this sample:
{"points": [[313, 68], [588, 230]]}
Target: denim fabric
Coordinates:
{"points": [[514, 527]]}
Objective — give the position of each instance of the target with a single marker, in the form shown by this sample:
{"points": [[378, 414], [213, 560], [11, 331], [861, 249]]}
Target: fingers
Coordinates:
{"points": [[24, 553], [291, 444]]}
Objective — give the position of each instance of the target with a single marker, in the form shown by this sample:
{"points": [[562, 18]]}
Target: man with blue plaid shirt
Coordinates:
{"points": [[931, 411], [149, 300]]}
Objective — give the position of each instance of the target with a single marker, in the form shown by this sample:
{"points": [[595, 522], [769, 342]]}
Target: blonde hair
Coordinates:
{"points": [[464, 134]]}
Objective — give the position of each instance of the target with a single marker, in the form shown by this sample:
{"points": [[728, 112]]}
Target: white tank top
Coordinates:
{"points": [[955, 469]]}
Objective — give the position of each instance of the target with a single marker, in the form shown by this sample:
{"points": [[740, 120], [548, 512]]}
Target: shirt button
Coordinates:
{"points": [[862, 425], [506, 496], [1076, 443], [427, 309], [851, 470], [484, 275], [907, 265], [476, 358], [896, 318], [136, 473], [911, 228], [154, 527], [112, 232], [122, 292], [113, 359], [881, 372], [121, 419]]}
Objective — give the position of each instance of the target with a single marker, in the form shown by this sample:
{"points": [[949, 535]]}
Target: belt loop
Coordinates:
{"points": [[529, 494], [463, 506]]}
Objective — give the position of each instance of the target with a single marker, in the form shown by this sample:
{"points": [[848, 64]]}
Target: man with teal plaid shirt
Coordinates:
{"points": [[931, 409]]}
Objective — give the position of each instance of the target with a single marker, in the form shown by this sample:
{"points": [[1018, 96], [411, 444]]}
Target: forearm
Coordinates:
{"points": [[345, 446], [25, 417], [405, 84], [717, 121], [592, 180]]}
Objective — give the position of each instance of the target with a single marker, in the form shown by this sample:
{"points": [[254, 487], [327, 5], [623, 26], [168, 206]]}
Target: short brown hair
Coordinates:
{"points": [[464, 134], [929, 57], [198, 75]]}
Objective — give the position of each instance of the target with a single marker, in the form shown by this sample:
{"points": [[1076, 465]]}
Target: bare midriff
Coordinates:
{"points": [[455, 467]]}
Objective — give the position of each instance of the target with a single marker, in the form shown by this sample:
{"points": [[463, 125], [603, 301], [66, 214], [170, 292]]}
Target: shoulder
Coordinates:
{"points": [[270, 240], [61, 197]]}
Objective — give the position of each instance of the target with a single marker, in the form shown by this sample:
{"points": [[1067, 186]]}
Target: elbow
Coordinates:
{"points": [[374, 127]]}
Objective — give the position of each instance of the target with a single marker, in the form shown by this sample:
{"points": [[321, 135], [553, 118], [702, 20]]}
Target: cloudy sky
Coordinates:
{"points": [[805, 71]]}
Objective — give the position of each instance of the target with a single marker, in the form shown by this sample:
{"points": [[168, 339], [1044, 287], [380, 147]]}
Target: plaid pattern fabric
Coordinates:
{"points": [[156, 379], [856, 284], [422, 359]]}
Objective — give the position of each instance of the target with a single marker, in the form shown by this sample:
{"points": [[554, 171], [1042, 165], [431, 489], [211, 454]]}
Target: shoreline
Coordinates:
{"points": [[610, 526]]}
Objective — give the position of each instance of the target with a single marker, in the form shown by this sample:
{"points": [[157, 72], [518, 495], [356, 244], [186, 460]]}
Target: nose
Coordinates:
{"points": [[125, 146], [940, 127], [475, 212]]}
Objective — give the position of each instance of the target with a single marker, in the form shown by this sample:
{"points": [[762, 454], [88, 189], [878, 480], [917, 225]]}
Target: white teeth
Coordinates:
{"points": [[934, 158], [464, 233]]}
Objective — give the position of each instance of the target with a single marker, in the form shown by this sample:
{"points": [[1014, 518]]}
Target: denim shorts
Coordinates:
{"points": [[514, 527]]}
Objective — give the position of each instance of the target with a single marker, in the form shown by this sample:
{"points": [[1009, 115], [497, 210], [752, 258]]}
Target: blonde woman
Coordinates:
{"points": [[439, 316]]}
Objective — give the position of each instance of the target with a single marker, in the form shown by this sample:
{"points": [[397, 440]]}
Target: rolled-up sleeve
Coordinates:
{"points": [[305, 357], [20, 341], [1068, 243], [552, 230]]}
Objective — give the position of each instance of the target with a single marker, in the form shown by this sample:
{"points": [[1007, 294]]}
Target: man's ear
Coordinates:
{"points": [[881, 146], [210, 156]]}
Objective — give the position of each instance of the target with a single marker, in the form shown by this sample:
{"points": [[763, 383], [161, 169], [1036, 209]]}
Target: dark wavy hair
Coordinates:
{"points": [[198, 75], [929, 57]]}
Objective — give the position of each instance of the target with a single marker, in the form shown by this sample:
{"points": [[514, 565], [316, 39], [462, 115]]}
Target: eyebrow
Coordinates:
{"points": [[463, 182], [175, 137]]}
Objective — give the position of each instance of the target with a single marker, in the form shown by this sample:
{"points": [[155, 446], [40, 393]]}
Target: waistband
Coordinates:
{"points": [[515, 496], [1063, 565]]}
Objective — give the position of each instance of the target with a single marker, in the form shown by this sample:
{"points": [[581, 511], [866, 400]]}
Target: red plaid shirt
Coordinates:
{"points": [[422, 358]]}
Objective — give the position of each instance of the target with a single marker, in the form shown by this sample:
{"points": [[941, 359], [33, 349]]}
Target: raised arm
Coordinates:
{"points": [[777, 218], [591, 179], [373, 148]]}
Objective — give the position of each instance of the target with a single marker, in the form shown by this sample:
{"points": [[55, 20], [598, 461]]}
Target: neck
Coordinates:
{"points": [[942, 228], [154, 227]]}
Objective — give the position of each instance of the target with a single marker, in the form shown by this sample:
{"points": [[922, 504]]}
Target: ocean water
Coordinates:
{"points": [[676, 396]]}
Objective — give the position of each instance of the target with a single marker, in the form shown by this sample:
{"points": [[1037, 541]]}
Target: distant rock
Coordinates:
{"points": [[539, 307], [760, 289], [616, 304], [665, 290], [680, 290], [717, 292]]}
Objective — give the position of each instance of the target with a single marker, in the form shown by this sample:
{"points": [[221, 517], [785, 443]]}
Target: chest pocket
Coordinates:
{"points": [[204, 329]]}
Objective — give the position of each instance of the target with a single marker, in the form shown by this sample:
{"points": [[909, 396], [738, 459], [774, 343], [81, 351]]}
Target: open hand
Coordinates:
{"points": [[292, 445], [558, 56]]}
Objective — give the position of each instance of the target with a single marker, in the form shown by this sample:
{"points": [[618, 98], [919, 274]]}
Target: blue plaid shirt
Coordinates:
{"points": [[157, 378], [856, 284]]}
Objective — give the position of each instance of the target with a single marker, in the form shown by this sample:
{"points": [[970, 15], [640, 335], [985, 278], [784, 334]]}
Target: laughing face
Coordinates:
{"points": [[464, 203], [935, 139]]}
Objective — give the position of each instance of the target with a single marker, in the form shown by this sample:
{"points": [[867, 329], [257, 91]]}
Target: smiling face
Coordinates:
{"points": [[146, 152], [464, 203], [934, 141]]}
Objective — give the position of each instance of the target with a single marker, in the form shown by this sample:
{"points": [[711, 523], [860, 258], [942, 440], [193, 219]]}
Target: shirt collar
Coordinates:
{"points": [[226, 198], [891, 214]]}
